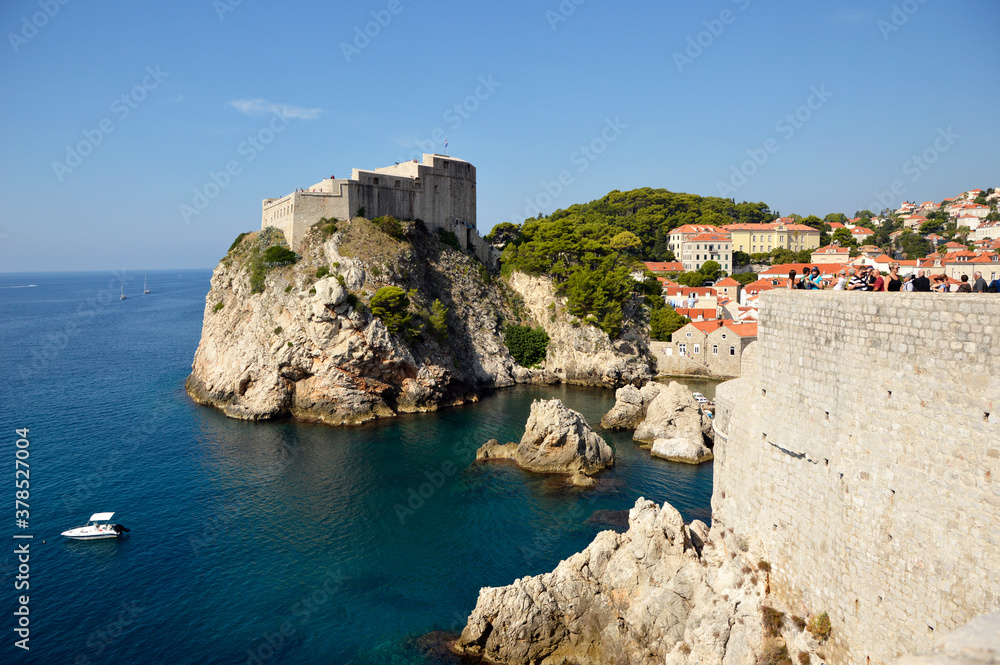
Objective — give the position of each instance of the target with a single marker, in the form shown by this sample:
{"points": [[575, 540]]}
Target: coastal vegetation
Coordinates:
{"points": [[527, 345], [591, 250]]}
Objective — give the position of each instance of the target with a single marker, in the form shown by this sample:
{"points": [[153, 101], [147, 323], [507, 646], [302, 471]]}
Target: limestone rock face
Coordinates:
{"points": [[302, 348], [556, 440], [582, 354], [641, 597], [674, 414], [630, 406]]}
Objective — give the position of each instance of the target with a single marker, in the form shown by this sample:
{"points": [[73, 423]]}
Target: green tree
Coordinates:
{"points": [[663, 322], [392, 306], [502, 234], [710, 270], [844, 238], [439, 319], [836, 217], [526, 345], [740, 259], [745, 278]]}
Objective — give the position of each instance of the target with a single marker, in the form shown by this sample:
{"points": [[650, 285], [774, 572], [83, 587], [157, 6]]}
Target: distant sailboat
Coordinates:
{"points": [[144, 289], [123, 292]]}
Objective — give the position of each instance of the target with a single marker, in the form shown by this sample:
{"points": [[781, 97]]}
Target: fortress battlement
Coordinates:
{"points": [[440, 190]]}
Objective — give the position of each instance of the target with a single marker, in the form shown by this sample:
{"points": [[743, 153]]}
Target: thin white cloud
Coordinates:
{"points": [[262, 107]]}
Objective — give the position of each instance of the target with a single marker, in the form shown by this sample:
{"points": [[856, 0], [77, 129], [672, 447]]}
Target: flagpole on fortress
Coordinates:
{"points": [[446, 146]]}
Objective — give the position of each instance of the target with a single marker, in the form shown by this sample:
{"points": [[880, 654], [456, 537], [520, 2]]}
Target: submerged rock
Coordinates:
{"points": [[556, 440], [637, 598], [680, 449]]}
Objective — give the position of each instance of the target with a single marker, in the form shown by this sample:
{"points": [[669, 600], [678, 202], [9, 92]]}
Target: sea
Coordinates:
{"points": [[259, 543]]}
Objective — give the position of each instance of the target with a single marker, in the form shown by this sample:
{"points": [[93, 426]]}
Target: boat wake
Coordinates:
{"points": [[19, 286]]}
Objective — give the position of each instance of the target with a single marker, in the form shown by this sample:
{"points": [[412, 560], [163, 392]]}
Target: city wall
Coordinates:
{"points": [[859, 454]]}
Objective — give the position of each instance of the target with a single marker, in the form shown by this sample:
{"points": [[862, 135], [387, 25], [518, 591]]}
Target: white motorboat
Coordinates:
{"points": [[100, 526]]}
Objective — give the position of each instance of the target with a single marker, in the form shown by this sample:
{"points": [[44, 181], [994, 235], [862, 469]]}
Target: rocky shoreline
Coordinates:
{"points": [[299, 341]]}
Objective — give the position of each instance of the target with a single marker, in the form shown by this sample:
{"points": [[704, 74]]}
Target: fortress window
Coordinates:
{"points": [[444, 165], [375, 181], [397, 183]]}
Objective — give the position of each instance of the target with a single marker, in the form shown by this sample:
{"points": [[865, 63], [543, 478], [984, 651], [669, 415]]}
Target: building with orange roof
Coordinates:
{"points": [[677, 236], [987, 231], [763, 238], [956, 264], [728, 288], [831, 254], [717, 344], [699, 249]]}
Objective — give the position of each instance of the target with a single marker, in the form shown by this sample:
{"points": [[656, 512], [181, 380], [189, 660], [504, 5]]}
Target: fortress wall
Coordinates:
{"points": [[860, 456]]}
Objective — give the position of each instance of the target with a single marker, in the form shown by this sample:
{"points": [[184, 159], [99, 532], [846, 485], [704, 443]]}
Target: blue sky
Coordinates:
{"points": [[821, 105]]}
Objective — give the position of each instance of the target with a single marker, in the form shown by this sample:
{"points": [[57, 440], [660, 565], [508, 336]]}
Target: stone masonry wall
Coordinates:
{"points": [[860, 456]]}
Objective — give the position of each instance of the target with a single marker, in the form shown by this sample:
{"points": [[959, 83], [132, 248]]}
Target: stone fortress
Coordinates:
{"points": [[859, 454], [440, 191]]}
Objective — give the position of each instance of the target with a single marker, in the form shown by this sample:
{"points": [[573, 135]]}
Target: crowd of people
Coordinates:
{"points": [[868, 278]]}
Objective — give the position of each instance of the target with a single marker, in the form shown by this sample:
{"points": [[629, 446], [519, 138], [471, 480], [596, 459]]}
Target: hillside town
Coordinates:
{"points": [[951, 246]]}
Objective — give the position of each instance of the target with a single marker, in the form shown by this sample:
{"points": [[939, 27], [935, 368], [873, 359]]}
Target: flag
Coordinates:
{"points": [[446, 145]]}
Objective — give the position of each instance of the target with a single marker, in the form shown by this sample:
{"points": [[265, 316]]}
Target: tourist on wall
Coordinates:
{"points": [[791, 283], [964, 286], [940, 284], [921, 284], [814, 281], [857, 282], [908, 283], [875, 280], [980, 284], [841, 281], [892, 282]]}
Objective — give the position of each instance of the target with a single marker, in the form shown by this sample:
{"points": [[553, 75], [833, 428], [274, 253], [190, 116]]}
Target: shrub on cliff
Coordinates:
{"points": [[390, 226], [449, 238], [392, 306], [526, 345], [820, 626], [276, 255], [438, 319], [236, 242], [663, 322]]}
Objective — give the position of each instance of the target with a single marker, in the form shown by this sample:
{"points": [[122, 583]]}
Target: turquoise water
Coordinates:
{"points": [[262, 542]]}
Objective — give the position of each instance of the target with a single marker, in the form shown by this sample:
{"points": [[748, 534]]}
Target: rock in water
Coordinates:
{"points": [[556, 440], [628, 599], [630, 406], [681, 449], [674, 414]]}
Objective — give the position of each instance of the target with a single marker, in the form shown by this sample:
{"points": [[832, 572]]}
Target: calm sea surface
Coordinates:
{"points": [[260, 543]]}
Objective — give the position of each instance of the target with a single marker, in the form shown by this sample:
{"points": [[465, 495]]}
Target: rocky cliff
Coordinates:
{"points": [[661, 592], [300, 340]]}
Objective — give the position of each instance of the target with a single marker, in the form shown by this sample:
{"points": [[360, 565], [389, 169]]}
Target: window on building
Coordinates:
{"points": [[682, 349], [715, 349], [732, 350], [769, 238], [397, 183], [374, 181], [688, 334], [723, 335], [697, 349]]}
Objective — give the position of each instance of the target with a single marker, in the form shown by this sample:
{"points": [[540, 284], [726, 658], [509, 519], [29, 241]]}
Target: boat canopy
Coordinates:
{"points": [[101, 517]]}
